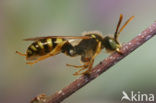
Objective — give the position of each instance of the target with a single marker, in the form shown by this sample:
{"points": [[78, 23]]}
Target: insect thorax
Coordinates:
{"points": [[87, 47]]}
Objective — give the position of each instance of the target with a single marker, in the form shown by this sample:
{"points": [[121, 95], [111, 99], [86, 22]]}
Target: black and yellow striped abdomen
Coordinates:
{"points": [[42, 47]]}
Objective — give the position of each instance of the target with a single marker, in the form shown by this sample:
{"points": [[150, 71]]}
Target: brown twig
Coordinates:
{"points": [[100, 68]]}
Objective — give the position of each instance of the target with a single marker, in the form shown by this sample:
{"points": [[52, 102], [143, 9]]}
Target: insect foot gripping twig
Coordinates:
{"points": [[40, 99], [102, 66]]}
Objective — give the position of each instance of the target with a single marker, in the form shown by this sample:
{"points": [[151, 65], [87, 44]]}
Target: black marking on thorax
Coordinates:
{"points": [[88, 44]]}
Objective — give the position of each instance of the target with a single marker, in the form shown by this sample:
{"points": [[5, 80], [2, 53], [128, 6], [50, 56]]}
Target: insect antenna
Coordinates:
{"points": [[130, 19], [116, 34]]}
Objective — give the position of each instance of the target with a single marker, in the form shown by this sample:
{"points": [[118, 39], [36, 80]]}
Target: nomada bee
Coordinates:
{"points": [[87, 46]]}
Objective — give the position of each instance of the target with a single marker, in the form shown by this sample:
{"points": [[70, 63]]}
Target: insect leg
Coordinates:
{"points": [[20, 53], [98, 50], [78, 72], [39, 59], [52, 53], [89, 64], [75, 66], [89, 67], [118, 50], [83, 68], [79, 66]]}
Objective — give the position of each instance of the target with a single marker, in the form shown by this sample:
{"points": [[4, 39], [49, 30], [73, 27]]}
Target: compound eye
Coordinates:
{"points": [[113, 44], [110, 41]]}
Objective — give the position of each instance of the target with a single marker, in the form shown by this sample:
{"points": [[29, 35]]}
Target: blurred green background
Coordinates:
{"points": [[20, 19]]}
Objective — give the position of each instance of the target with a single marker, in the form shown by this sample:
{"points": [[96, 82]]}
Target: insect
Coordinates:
{"points": [[87, 46]]}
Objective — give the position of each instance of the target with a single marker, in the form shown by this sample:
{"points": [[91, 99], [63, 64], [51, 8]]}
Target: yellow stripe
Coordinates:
{"points": [[40, 44], [58, 40], [33, 47], [29, 51], [49, 42], [93, 36]]}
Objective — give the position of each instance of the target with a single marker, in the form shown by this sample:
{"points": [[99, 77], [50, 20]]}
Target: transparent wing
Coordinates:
{"points": [[74, 42], [64, 37]]}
